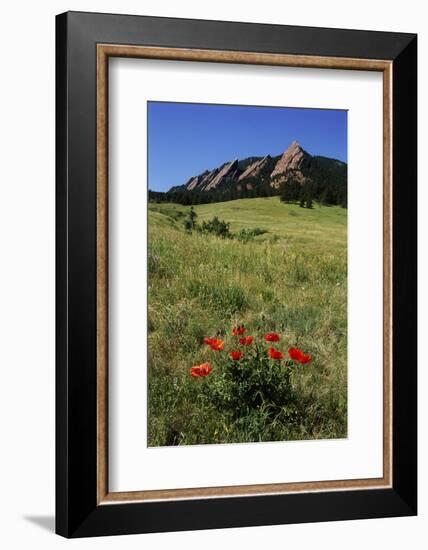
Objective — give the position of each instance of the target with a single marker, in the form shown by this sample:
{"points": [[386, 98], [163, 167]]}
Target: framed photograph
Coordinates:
{"points": [[236, 274]]}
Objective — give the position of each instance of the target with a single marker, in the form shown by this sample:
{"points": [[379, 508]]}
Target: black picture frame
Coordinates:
{"points": [[77, 511]]}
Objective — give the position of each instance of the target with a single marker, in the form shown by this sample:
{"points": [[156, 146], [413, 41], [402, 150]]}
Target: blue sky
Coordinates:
{"points": [[184, 139]]}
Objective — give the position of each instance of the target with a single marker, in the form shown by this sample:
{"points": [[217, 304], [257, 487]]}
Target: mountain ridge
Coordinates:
{"points": [[294, 165]]}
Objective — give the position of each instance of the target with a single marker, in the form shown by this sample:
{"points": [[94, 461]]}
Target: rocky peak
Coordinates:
{"points": [[199, 182], [291, 159], [254, 168], [229, 170], [294, 163]]}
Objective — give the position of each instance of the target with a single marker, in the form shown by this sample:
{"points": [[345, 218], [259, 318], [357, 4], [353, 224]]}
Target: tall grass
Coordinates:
{"points": [[291, 279]]}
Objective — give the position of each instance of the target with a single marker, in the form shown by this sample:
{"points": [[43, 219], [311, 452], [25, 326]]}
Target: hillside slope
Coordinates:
{"points": [[292, 279]]}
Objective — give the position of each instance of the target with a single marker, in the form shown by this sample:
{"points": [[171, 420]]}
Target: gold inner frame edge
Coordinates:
{"points": [[104, 51]]}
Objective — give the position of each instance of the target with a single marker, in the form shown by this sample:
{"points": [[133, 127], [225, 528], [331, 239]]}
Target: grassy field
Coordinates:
{"points": [[292, 279]]}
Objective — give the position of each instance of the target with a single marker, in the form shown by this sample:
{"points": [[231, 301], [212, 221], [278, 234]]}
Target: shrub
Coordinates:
{"points": [[190, 221], [246, 235], [248, 375], [216, 227]]}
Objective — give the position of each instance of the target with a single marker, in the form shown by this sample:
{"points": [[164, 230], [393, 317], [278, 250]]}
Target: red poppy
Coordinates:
{"points": [[238, 330], [275, 354], [215, 343], [272, 337], [236, 355], [203, 369], [246, 341], [298, 355]]}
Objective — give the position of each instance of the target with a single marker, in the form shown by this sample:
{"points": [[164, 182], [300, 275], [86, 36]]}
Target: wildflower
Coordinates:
{"points": [[246, 341], [298, 355], [272, 337], [236, 355], [204, 369], [275, 354], [215, 343], [238, 330]]}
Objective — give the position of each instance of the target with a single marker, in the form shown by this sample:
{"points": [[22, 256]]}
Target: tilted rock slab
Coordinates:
{"points": [[254, 168], [289, 164]]}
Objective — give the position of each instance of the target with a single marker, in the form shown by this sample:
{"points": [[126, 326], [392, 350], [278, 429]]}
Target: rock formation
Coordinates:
{"points": [[229, 171], [293, 164], [254, 169]]}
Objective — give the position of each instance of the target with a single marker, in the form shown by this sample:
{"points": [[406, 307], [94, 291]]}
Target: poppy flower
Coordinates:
{"points": [[272, 337], [275, 354], [203, 369], [238, 331], [236, 355], [215, 343], [246, 341], [298, 355]]}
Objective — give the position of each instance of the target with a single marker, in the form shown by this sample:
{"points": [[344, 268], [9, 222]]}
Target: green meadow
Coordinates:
{"points": [[291, 279]]}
